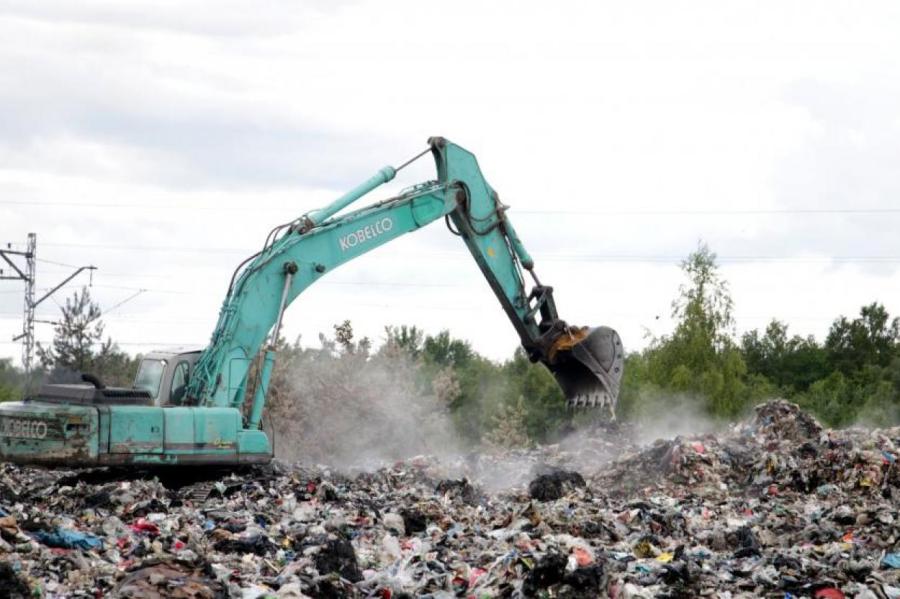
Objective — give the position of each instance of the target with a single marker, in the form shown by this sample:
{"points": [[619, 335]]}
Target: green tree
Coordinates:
{"points": [[78, 345], [75, 335], [791, 363], [11, 381], [703, 306], [854, 376], [482, 391], [509, 428], [443, 350], [870, 339], [405, 338], [543, 407], [699, 358]]}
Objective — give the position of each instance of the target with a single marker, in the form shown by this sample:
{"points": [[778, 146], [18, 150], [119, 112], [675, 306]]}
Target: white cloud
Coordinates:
{"points": [[222, 119]]}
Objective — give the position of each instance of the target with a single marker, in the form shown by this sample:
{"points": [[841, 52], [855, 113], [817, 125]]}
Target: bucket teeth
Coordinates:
{"points": [[591, 400]]}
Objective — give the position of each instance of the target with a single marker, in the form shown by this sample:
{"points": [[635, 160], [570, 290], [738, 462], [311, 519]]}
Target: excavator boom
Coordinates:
{"points": [[187, 408]]}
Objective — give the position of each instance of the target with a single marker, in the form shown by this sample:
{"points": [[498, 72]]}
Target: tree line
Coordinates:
{"points": [[852, 375]]}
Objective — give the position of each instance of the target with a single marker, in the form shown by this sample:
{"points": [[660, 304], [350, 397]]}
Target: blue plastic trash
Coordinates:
{"points": [[67, 539]]}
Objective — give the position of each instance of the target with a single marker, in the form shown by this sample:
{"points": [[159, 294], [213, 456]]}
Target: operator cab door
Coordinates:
{"points": [[178, 387], [180, 437], [170, 376]]}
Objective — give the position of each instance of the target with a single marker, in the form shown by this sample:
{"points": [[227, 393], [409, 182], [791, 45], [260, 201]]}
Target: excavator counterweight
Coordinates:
{"points": [[187, 407]]}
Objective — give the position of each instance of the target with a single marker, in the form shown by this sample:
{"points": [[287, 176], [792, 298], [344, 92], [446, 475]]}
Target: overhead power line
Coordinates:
{"points": [[55, 263], [544, 257], [715, 212], [154, 343], [672, 212]]}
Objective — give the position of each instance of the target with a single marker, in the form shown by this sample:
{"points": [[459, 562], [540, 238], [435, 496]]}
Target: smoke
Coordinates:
{"points": [[500, 471], [876, 414], [348, 409], [669, 416], [594, 443]]}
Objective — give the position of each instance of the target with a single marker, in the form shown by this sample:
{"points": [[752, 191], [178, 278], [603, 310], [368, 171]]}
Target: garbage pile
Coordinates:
{"points": [[777, 506]]}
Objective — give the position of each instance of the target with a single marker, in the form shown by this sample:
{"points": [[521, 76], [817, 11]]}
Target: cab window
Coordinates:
{"points": [[179, 383], [150, 375]]}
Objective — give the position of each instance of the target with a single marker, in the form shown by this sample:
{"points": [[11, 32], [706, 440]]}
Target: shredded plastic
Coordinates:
{"points": [[776, 506]]}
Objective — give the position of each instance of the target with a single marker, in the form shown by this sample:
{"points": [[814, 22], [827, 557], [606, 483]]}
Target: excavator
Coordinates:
{"points": [[201, 408]]}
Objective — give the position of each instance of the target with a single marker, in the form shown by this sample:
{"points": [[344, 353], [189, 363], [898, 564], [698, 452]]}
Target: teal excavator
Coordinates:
{"points": [[188, 407]]}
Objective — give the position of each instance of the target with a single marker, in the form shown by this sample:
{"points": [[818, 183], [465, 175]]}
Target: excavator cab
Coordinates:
{"points": [[165, 375]]}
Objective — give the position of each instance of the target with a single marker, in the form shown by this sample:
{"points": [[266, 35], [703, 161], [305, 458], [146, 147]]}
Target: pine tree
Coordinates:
{"points": [[75, 335], [78, 345]]}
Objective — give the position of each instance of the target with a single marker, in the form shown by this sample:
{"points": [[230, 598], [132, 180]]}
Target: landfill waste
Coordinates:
{"points": [[775, 506], [174, 579], [554, 484], [11, 584]]}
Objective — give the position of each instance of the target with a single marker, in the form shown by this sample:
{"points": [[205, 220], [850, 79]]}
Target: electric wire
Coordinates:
{"points": [[55, 263], [638, 213], [545, 256]]}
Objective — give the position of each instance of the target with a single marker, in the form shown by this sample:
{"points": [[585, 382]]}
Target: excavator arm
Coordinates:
{"points": [[586, 362], [157, 423]]}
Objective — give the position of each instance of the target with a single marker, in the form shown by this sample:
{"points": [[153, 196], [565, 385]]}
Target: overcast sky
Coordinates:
{"points": [[160, 141]]}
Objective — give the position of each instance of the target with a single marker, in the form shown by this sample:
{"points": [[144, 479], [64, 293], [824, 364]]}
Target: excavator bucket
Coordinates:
{"points": [[588, 365]]}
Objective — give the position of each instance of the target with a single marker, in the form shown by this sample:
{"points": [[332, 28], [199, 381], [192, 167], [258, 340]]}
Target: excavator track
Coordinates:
{"points": [[199, 492]]}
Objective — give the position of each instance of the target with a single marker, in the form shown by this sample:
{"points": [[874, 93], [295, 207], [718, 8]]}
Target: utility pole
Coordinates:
{"points": [[28, 276]]}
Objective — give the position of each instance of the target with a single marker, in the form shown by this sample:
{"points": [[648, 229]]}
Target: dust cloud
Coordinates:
{"points": [[356, 411], [673, 416]]}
